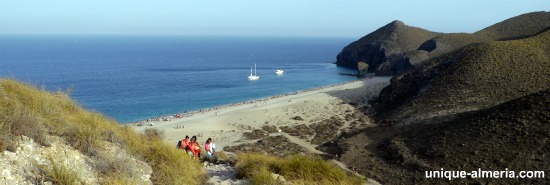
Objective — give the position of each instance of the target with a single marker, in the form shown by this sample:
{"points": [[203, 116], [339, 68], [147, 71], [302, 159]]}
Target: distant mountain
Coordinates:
{"points": [[396, 48], [474, 77], [383, 49]]}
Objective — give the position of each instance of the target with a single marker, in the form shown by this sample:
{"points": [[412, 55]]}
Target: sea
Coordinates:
{"points": [[132, 78]]}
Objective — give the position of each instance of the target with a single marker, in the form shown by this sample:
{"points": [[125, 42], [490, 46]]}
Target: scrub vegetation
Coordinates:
{"points": [[36, 113]]}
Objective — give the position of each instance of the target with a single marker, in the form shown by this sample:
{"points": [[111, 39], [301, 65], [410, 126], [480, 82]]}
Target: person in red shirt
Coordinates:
{"points": [[184, 143], [194, 147]]}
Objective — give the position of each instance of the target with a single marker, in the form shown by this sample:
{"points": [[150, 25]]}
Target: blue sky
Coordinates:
{"points": [[324, 18]]}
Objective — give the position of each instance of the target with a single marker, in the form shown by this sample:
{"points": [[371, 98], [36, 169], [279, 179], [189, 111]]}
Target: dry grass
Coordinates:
{"points": [[25, 110], [257, 168], [59, 173], [25, 124]]}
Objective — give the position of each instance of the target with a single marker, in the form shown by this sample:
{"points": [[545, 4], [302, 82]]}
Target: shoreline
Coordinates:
{"points": [[227, 124], [189, 114]]}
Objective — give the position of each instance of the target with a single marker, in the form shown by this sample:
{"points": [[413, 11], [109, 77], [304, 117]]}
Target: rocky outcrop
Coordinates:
{"points": [[32, 163], [363, 68], [383, 50], [397, 48]]}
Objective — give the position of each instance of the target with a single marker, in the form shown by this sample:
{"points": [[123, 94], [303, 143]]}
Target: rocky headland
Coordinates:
{"points": [[396, 47]]}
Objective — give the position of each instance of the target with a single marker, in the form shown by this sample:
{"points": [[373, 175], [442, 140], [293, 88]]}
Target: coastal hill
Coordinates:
{"points": [[383, 49], [484, 106], [517, 27], [432, 44], [475, 77]]}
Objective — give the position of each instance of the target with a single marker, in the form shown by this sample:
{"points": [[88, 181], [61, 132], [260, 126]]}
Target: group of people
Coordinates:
{"points": [[193, 148]]}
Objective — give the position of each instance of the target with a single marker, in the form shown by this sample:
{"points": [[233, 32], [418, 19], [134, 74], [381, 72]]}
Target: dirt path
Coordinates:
{"points": [[222, 174], [311, 148]]}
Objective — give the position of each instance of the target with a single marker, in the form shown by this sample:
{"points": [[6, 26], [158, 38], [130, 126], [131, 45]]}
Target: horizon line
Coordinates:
{"points": [[176, 35]]}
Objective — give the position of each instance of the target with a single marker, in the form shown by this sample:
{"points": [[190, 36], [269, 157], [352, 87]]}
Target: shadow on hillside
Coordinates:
{"points": [[359, 95]]}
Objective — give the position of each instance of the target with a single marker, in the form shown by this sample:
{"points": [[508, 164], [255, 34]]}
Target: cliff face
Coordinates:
{"points": [[383, 49], [397, 48]]}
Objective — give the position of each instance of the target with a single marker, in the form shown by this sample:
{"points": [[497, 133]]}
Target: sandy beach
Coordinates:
{"points": [[227, 124]]}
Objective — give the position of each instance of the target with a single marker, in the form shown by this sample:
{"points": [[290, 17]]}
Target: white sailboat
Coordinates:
{"points": [[253, 77]]}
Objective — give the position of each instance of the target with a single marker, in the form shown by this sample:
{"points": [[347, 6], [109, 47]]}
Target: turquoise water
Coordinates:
{"points": [[134, 78]]}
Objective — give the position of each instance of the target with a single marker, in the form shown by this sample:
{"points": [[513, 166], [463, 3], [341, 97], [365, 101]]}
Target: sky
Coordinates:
{"points": [[300, 18]]}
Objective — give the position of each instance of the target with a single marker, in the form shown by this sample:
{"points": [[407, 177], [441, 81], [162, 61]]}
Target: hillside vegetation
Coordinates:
{"points": [[472, 78], [513, 135], [44, 116], [518, 27]]}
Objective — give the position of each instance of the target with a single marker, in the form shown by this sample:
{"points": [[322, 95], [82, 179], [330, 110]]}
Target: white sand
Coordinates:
{"points": [[227, 127]]}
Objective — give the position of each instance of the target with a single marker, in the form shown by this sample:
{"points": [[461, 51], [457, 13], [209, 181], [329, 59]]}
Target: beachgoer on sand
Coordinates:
{"points": [[209, 147], [194, 148]]}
